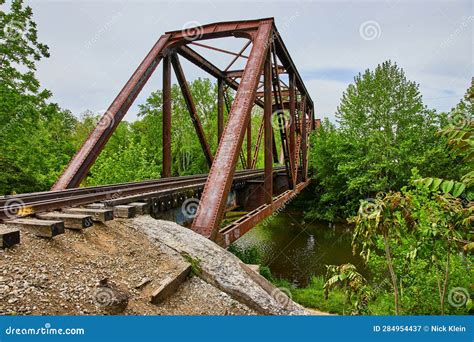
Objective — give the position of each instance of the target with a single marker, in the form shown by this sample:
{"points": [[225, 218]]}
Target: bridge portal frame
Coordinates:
{"points": [[271, 94]]}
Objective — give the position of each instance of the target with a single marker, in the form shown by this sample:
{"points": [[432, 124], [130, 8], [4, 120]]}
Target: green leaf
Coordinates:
{"points": [[428, 181], [458, 189], [436, 183], [447, 186], [469, 304]]}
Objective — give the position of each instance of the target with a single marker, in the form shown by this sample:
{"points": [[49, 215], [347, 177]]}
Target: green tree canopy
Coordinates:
{"points": [[384, 130]]}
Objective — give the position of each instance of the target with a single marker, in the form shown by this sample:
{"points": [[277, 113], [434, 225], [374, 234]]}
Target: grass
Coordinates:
{"points": [[312, 296]]}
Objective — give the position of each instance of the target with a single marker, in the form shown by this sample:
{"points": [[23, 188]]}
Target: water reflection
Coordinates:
{"points": [[296, 250]]}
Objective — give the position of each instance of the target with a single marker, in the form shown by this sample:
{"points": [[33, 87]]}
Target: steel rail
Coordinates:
{"points": [[43, 195], [38, 202]]}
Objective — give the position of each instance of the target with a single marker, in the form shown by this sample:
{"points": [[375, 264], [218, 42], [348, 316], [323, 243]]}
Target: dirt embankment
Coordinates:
{"points": [[60, 276]]}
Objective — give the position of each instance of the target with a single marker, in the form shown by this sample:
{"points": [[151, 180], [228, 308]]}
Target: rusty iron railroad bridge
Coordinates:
{"points": [[259, 192]]}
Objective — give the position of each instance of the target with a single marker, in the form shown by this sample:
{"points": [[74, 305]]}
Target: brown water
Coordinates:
{"points": [[295, 249]]}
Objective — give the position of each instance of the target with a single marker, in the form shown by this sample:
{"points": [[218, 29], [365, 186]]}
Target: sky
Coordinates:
{"points": [[95, 46]]}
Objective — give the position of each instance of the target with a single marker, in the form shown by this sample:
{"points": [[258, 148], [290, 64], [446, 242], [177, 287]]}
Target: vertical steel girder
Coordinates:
{"points": [[292, 104], [249, 143], [191, 107], [304, 137], [220, 108], [82, 161], [166, 168], [214, 197], [281, 120], [268, 131]]}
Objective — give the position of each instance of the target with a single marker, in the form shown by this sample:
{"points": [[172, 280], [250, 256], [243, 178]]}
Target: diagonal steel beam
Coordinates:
{"points": [[216, 190], [191, 107], [227, 106], [239, 55], [198, 60], [82, 161], [210, 68], [257, 143], [236, 54]]}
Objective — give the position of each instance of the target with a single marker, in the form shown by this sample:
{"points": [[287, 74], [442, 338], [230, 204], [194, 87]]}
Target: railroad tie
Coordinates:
{"points": [[124, 211], [98, 215], [71, 221], [9, 236], [42, 228], [141, 208]]}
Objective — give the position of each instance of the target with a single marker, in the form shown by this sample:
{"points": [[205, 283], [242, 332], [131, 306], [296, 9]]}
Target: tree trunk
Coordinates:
{"points": [[393, 276], [446, 277]]}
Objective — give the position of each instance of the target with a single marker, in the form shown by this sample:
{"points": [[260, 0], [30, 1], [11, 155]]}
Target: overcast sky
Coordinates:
{"points": [[96, 45]]}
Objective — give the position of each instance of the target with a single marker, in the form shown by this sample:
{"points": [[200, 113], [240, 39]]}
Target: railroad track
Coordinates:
{"points": [[21, 205]]}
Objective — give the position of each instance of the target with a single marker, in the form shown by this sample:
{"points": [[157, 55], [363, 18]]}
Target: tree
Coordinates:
{"points": [[20, 49], [379, 219], [35, 134], [420, 233], [460, 137], [384, 130]]}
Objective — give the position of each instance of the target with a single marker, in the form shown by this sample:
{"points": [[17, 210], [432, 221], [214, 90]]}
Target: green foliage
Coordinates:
{"points": [[419, 231], [188, 157], [383, 131], [20, 49], [459, 134], [347, 278], [35, 134], [194, 262], [313, 296], [249, 255]]}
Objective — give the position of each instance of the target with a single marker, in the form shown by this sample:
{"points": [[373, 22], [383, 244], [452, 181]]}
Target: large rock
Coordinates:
{"points": [[219, 267]]}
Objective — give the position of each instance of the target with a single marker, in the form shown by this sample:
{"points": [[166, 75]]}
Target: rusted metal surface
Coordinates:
{"points": [[282, 124], [217, 187], [293, 124], [249, 143], [220, 108], [191, 108], [304, 138], [81, 163], [238, 55], [237, 229], [257, 145], [166, 168], [241, 154], [268, 131], [242, 28]]}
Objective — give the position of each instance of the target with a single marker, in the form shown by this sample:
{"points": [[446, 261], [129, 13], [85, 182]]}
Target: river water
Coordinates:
{"points": [[295, 249]]}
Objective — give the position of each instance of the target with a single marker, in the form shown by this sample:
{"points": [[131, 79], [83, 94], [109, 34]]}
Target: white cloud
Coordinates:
{"points": [[96, 46]]}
